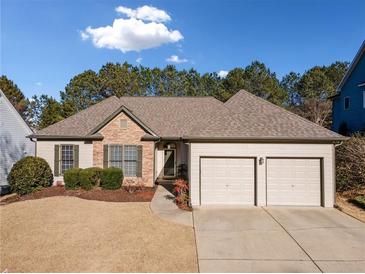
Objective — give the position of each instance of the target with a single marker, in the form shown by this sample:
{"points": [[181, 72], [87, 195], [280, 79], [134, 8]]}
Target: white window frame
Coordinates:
{"points": [[61, 171], [135, 161], [123, 157], [110, 154]]}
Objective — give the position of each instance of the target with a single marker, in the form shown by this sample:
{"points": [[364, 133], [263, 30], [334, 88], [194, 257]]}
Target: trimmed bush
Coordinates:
{"points": [[111, 178], [71, 177], [90, 177], [29, 174]]}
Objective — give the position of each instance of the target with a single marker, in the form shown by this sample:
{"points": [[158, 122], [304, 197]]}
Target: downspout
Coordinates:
{"points": [[338, 144], [334, 170], [35, 146]]}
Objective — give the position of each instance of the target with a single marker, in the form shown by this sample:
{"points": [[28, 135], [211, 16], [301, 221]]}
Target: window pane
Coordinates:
{"points": [[67, 157], [347, 102], [130, 161], [130, 169], [130, 153], [115, 158]]}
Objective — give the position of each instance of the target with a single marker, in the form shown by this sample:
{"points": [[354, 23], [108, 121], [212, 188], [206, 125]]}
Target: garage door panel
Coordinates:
{"points": [[294, 182], [227, 181]]}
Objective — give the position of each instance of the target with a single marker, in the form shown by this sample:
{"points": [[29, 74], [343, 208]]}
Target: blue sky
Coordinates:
{"points": [[42, 45]]}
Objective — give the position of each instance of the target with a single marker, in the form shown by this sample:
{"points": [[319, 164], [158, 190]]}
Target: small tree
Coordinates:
{"points": [[350, 160]]}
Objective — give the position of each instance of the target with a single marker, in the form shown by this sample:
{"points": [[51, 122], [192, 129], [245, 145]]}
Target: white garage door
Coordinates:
{"points": [[294, 182], [229, 181]]}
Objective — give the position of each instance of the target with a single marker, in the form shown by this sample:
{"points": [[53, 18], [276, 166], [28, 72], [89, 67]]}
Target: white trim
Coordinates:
{"points": [[352, 66]]}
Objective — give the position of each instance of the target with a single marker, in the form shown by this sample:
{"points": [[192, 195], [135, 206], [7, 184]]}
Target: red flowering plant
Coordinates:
{"points": [[181, 191]]}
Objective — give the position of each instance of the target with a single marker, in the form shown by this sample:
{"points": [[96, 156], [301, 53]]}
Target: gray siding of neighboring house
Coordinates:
{"points": [[13, 143]]}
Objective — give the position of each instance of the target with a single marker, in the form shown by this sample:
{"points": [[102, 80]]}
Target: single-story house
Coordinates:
{"points": [[245, 151], [13, 142]]}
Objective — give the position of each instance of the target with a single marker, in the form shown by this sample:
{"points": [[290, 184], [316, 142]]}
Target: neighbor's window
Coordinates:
{"points": [[347, 103], [130, 161], [115, 156], [67, 157], [123, 124]]}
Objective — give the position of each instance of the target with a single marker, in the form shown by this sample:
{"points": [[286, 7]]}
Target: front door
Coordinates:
{"points": [[169, 163]]}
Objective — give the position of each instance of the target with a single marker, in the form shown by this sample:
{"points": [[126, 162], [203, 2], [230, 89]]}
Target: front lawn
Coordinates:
{"points": [[68, 234]]}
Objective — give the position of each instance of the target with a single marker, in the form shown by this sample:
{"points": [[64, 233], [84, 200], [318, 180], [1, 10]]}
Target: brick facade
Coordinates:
{"points": [[114, 134]]}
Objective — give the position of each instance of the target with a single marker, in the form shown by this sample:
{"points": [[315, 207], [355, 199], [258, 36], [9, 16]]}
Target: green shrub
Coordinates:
{"points": [[71, 177], [29, 174], [350, 164], [359, 201], [90, 177], [111, 178]]}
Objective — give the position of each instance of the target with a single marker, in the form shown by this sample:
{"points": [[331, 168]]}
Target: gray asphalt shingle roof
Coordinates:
{"points": [[254, 118], [243, 116]]}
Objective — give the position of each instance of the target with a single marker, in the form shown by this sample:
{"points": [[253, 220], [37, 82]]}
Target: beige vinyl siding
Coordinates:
{"points": [[257, 150], [45, 150]]}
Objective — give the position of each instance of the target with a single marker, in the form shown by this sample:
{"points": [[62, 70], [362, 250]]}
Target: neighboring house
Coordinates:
{"points": [[13, 142], [349, 102], [246, 151]]}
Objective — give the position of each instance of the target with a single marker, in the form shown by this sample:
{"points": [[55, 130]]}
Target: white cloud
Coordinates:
{"points": [[139, 60], [176, 59], [134, 34], [39, 84], [222, 73], [84, 35], [147, 13]]}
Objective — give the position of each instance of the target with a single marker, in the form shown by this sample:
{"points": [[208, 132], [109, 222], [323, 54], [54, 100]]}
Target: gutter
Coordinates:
{"points": [[268, 139], [95, 137]]}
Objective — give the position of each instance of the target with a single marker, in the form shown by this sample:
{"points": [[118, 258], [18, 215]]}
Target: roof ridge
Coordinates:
{"points": [[287, 111], [152, 96]]}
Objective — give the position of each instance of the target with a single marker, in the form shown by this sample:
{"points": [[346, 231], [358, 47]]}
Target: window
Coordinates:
{"points": [[347, 103], [123, 124], [67, 157], [130, 161], [126, 158], [363, 98], [115, 156]]}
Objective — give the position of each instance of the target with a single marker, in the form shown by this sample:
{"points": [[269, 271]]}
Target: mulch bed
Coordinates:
{"points": [[118, 195]]}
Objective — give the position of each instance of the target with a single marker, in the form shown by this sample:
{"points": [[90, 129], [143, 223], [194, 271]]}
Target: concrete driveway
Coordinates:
{"points": [[278, 239]]}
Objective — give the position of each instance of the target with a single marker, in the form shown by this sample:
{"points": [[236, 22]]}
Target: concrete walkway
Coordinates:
{"points": [[163, 205], [278, 240]]}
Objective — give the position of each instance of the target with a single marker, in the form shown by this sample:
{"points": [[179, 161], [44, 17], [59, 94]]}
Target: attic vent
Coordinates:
{"points": [[123, 124]]}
